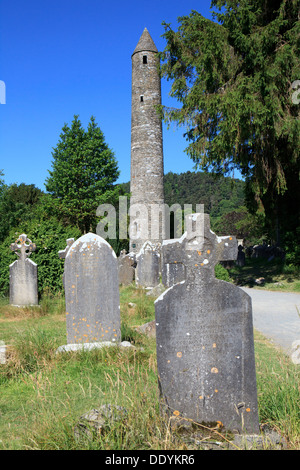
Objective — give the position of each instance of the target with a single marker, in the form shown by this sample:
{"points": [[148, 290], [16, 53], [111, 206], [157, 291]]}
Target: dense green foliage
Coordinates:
{"points": [[233, 80], [17, 204], [218, 195], [83, 175], [223, 199], [23, 209]]}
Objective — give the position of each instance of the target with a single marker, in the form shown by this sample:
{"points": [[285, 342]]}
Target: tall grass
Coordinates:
{"points": [[43, 394], [51, 303], [278, 383]]}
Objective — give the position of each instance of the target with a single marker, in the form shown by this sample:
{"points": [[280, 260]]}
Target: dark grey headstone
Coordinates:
{"points": [[148, 265], [172, 271], [23, 286], [92, 291], [204, 334]]}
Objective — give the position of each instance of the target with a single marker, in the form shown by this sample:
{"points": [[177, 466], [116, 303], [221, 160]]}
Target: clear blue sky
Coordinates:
{"points": [[64, 57]]}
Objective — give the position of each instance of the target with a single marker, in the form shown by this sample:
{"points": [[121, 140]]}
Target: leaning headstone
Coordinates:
{"points": [[92, 291], [204, 336], [126, 268], [23, 287], [148, 265]]}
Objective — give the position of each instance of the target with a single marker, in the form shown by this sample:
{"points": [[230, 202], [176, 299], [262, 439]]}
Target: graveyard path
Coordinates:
{"points": [[276, 315]]}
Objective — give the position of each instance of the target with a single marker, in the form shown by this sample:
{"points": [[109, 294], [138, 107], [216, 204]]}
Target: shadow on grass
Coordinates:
{"points": [[273, 272]]}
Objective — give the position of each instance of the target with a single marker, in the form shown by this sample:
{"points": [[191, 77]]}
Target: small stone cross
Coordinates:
{"points": [[63, 253], [25, 249]]}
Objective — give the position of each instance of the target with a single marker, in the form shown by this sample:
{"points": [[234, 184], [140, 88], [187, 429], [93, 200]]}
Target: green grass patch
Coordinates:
{"points": [[278, 384]]}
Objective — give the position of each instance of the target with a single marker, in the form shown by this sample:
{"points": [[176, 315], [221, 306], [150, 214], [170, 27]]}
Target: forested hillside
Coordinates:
{"points": [[223, 199], [218, 194]]}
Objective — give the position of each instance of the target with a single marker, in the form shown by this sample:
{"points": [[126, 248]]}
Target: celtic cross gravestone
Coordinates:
{"points": [[204, 334], [23, 288]]}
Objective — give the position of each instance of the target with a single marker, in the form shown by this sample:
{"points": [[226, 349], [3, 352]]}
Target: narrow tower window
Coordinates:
{"points": [[145, 59], [141, 98]]}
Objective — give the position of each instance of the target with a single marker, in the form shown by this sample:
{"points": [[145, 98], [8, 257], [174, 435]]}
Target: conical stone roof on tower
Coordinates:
{"points": [[145, 43]]}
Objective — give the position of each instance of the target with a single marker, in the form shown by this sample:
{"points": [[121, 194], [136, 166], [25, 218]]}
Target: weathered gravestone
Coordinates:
{"points": [[23, 288], [148, 265], [172, 271], [204, 335], [126, 268], [91, 291]]}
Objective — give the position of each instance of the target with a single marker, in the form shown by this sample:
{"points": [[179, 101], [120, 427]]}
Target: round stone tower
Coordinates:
{"points": [[147, 218]]}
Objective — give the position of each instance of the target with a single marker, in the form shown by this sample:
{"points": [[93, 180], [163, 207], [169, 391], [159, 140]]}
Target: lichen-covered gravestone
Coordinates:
{"points": [[63, 253], [173, 270], [126, 268], [23, 288], [204, 335], [148, 265], [91, 291]]}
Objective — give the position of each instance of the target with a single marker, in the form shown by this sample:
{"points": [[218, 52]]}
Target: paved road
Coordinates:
{"points": [[276, 316]]}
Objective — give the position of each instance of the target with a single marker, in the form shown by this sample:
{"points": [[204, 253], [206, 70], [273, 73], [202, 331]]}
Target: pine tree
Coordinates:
{"points": [[83, 175]]}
